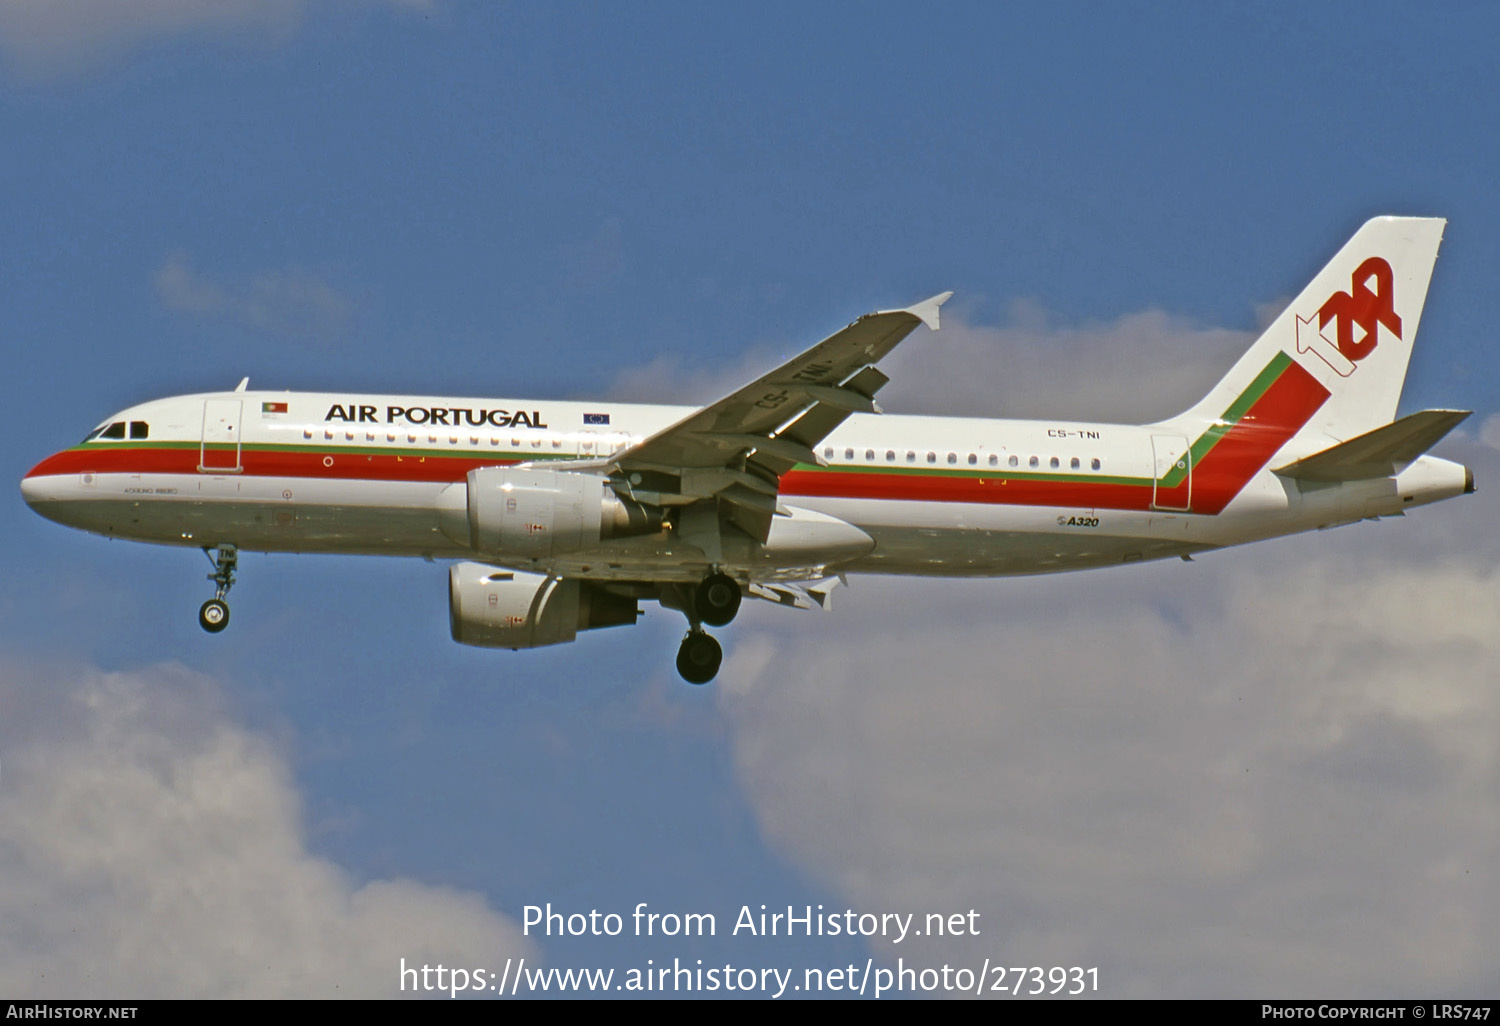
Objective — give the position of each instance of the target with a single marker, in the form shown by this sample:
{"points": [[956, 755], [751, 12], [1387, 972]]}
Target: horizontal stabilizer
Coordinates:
{"points": [[1379, 453]]}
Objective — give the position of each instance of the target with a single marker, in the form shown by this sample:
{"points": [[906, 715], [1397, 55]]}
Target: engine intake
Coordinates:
{"points": [[495, 608]]}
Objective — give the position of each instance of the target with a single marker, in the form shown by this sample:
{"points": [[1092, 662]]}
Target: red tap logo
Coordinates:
{"points": [[1362, 307]]}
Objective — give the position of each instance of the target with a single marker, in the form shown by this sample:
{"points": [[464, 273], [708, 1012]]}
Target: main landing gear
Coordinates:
{"points": [[213, 615], [717, 599], [713, 602], [699, 657]]}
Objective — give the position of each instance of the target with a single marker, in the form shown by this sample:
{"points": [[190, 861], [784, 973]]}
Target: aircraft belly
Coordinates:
{"points": [[975, 540], [401, 518], [971, 552]]}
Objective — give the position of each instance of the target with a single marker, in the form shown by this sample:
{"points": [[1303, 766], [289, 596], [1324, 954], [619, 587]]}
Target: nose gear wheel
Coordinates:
{"points": [[213, 615]]}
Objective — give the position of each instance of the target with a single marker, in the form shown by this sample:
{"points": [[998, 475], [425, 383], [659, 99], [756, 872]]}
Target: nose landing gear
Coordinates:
{"points": [[213, 615]]}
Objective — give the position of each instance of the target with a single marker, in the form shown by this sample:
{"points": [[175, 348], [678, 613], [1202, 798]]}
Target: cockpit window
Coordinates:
{"points": [[117, 430]]}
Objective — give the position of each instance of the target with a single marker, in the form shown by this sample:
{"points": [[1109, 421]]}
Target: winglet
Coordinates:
{"points": [[244, 383], [927, 310]]}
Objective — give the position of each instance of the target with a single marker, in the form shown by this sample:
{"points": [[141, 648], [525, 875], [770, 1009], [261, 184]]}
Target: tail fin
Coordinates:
{"points": [[1331, 366]]}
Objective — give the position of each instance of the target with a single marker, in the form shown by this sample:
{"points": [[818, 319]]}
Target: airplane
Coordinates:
{"points": [[564, 516]]}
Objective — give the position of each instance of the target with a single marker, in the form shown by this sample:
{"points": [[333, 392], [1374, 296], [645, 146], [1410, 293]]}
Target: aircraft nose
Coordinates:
{"points": [[32, 491], [40, 488]]}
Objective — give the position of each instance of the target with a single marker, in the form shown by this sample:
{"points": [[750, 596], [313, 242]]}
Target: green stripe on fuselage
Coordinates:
{"points": [[1232, 416]]}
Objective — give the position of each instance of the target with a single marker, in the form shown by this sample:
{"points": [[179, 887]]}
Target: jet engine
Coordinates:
{"points": [[538, 513], [495, 608]]}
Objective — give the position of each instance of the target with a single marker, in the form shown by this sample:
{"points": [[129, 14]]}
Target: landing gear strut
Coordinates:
{"points": [[699, 657], [213, 615]]}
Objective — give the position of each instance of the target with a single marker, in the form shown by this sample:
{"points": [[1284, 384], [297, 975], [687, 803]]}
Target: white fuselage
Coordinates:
{"points": [[311, 472]]}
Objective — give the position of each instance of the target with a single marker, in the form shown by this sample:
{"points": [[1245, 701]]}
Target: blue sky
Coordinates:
{"points": [[656, 200]]}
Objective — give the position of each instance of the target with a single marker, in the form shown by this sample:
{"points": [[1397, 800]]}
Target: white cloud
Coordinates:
{"points": [[667, 379], [1273, 771], [1141, 367], [1489, 431], [289, 301], [150, 846], [48, 37]]}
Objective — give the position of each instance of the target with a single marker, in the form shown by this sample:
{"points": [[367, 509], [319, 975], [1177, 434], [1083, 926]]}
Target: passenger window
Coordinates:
{"points": [[1033, 462], [848, 454], [973, 459], [952, 458], [1055, 463], [1094, 463], [139, 429], [911, 457], [1015, 460], [932, 457], [994, 459], [869, 455], [890, 455], [1074, 463], [828, 453]]}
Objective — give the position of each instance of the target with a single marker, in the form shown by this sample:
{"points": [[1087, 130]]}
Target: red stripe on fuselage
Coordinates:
{"points": [[1280, 413], [838, 484], [1275, 417], [345, 465]]}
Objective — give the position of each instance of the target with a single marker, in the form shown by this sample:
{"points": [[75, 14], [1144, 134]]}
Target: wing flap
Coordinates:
{"points": [[1379, 453], [798, 596]]}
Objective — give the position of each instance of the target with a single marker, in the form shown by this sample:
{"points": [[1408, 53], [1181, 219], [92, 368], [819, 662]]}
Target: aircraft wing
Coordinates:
{"points": [[737, 448]]}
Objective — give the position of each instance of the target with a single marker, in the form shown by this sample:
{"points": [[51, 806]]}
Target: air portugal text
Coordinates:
{"points": [[448, 416]]}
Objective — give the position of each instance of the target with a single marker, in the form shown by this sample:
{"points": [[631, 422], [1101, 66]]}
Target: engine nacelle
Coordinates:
{"points": [[496, 608], [538, 513]]}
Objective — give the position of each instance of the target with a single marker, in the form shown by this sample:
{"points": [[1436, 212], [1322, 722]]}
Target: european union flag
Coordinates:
{"points": [[596, 418]]}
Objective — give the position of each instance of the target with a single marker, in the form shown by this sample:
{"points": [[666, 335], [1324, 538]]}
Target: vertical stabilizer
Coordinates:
{"points": [[1331, 366]]}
